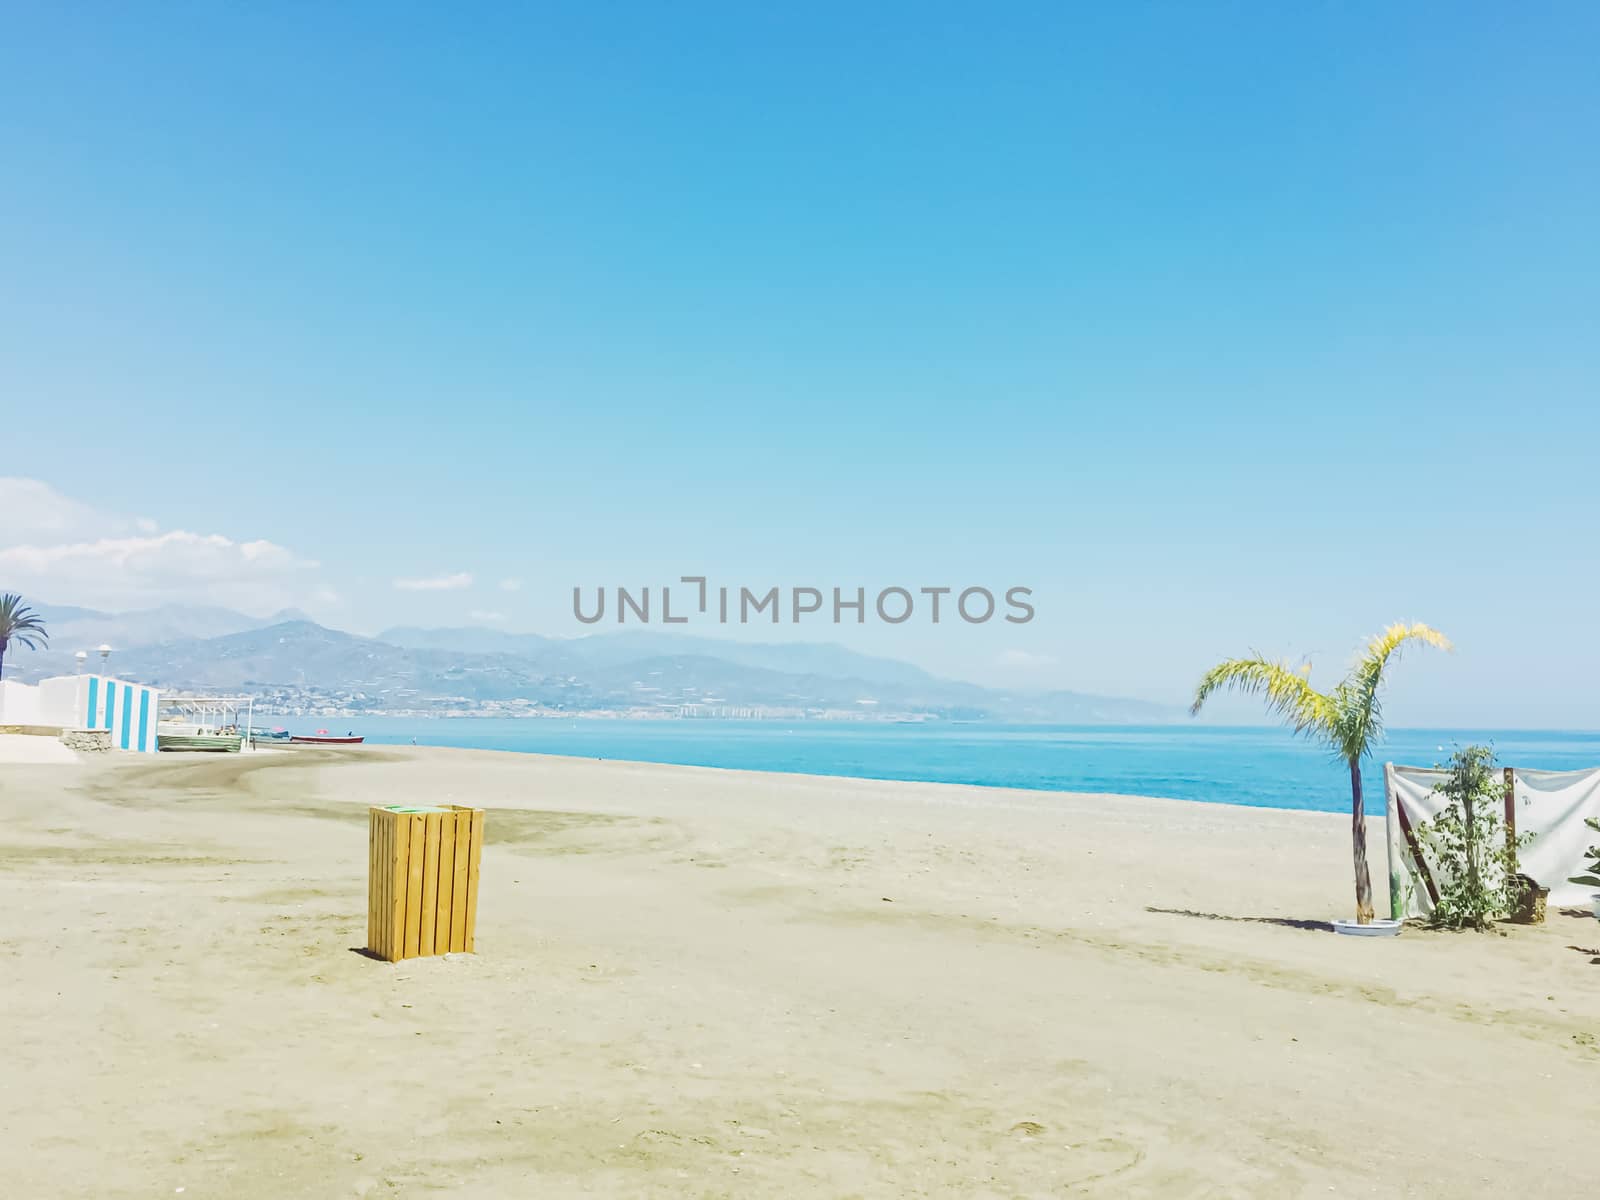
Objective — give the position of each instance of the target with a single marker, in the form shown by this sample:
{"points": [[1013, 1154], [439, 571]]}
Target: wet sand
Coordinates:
{"points": [[717, 983]]}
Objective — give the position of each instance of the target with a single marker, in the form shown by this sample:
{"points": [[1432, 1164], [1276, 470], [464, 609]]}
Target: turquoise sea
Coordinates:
{"points": [[1228, 765]]}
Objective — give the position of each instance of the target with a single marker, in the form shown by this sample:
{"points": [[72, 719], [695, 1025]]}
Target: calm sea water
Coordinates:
{"points": [[1263, 767]]}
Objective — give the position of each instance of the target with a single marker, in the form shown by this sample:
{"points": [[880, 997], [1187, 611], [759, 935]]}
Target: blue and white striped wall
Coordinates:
{"points": [[128, 710]]}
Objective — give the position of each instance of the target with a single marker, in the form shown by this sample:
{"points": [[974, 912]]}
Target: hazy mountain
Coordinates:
{"points": [[74, 629], [468, 639], [616, 649], [301, 655], [63, 612], [302, 665]]}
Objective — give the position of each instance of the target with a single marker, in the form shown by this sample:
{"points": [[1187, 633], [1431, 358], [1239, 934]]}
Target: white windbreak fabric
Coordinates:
{"points": [[1550, 805], [1553, 804], [1411, 794]]}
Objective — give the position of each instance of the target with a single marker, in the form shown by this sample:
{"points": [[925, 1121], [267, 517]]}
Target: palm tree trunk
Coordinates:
{"points": [[3, 642], [1358, 839]]}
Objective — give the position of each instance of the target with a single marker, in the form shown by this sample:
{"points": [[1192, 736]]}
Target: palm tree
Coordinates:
{"points": [[20, 624], [1348, 718]]}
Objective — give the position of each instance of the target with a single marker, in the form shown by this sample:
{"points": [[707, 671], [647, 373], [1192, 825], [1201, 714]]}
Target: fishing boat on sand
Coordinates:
{"points": [[323, 738]]}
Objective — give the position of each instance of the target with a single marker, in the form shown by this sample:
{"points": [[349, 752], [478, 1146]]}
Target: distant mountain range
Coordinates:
{"points": [[86, 628], [292, 664]]}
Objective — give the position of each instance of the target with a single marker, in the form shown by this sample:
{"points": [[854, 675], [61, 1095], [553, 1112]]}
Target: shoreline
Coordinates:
{"points": [[752, 774], [1305, 784], [603, 716]]}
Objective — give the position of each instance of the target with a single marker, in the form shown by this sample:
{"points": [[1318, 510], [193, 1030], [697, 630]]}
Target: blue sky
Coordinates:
{"points": [[1220, 326]]}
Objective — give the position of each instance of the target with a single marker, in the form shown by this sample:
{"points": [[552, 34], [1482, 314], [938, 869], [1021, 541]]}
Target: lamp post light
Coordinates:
{"points": [[105, 654], [82, 656]]}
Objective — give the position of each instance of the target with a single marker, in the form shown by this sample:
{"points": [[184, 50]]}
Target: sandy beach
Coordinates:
{"points": [[714, 983]]}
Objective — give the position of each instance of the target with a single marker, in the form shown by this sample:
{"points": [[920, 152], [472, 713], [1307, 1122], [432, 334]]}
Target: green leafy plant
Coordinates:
{"points": [[1348, 718], [1473, 859], [19, 624], [1592, 879], [1404, 891]]}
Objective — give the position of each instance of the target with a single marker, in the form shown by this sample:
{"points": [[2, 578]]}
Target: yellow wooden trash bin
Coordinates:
{"points": [[422, 879]]}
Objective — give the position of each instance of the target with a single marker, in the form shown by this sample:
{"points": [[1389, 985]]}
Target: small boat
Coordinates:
{"points": [[203, 743], [323, 738]]}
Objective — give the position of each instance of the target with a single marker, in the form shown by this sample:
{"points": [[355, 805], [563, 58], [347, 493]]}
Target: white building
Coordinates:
{"points": [[126, 710]]}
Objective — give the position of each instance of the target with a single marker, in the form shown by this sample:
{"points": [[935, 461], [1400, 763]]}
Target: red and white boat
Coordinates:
{"points": [[323, 738]]}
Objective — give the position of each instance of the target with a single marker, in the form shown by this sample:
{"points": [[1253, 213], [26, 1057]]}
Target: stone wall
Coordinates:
{"points": [[91, 741]]}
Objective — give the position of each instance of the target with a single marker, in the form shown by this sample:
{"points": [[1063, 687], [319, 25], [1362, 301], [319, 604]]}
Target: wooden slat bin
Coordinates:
{"points": [[422, 879]]}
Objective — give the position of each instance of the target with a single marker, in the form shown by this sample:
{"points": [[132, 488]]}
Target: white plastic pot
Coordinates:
{"points": [[1377, 927]]}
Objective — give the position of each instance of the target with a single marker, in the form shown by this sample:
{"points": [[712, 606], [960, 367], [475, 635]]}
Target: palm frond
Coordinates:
{"points": [[1388, 643], [1288, 693], [1357, 696], [21, 624]]}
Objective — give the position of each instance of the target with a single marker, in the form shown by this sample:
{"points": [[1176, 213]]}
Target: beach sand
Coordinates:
{"points": [[33, 748], [716, 983]]}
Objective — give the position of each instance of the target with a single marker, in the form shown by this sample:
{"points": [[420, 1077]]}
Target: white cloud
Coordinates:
{"points": [[33, 511], [511, 585], [479, 614], [67, 552], [436, 583]]}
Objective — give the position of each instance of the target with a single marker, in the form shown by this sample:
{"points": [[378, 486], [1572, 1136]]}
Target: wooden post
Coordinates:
{"points": [[399, 882], [372, 873], [430, 884], [472, 879], [458, 890], [1396, 898], [416, 857], [447, 878], [1511, 817]]}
